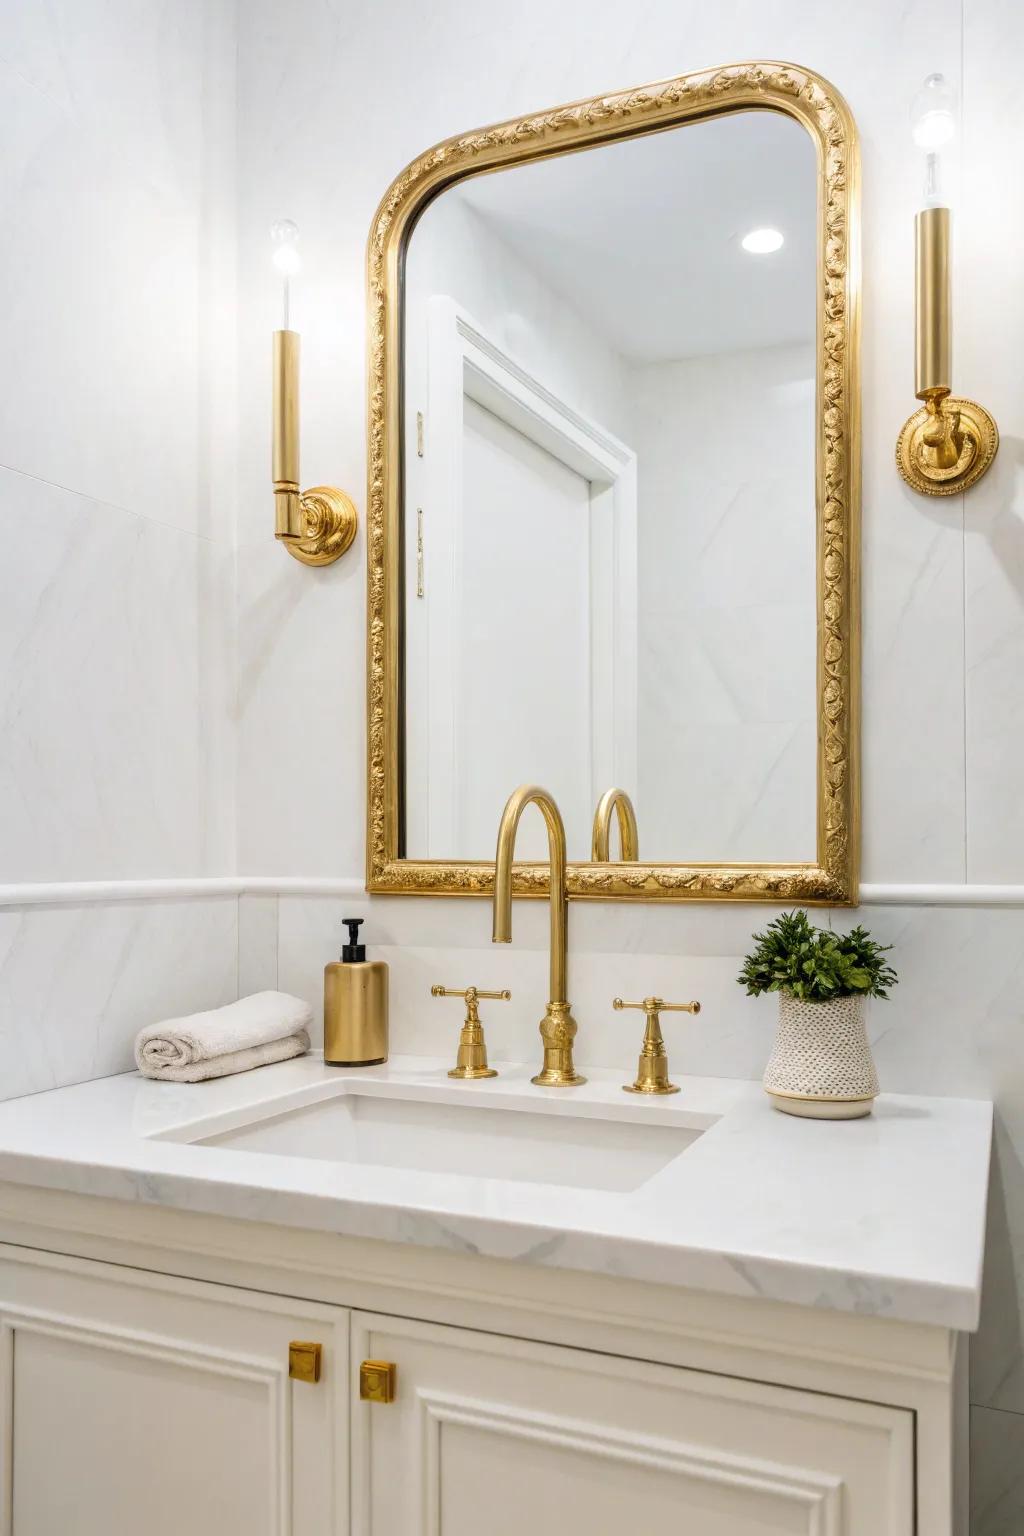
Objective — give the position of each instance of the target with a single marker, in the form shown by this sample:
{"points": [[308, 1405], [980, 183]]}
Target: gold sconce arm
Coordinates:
{"points": [[948, 445], [318, 525], [618, 801]]}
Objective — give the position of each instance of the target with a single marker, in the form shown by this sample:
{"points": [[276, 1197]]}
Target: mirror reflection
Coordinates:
{"points": [[608, 518]]}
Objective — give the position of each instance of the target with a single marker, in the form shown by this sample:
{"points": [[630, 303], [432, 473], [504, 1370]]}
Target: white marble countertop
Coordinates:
{"points": [[884, 1215]]}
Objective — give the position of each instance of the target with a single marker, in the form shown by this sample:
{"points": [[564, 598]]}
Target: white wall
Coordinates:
{"points": [[727, 707], [943, 612], [116, 565]]}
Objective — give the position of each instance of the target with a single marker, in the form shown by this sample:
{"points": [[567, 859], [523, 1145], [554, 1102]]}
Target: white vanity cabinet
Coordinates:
{"points": [[520, 1439], [134, 1404], [135, 1401]]}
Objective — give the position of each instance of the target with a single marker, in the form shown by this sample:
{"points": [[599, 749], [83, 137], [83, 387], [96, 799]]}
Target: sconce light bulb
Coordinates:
{"points": [[285, 237], [933, 114]]}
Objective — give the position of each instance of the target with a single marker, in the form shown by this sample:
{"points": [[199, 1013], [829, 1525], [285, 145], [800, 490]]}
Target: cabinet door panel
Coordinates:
{"points": [[133, 1402], [518, 1439]]}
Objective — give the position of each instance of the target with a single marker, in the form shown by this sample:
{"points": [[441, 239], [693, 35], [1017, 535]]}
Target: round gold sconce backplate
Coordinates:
{"points": [[942, 454], [331, 522]]}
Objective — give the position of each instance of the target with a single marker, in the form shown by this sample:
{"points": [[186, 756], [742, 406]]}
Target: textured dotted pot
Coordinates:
{"points": [[822, 1066]]}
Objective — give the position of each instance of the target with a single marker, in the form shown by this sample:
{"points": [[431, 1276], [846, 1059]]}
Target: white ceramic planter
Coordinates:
{"points": [[822, 1065]]}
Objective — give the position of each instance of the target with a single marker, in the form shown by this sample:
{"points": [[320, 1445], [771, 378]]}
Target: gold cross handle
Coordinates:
{"points": [[652, 1067], [471, 1061]]}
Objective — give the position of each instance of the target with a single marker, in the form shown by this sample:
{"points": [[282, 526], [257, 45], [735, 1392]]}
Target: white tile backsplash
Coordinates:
{"points": [[257, 944], [77, 983], [997, 1473]]}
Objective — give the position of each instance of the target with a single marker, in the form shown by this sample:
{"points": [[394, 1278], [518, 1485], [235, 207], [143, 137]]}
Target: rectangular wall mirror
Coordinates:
{"points": [[613, 521]]}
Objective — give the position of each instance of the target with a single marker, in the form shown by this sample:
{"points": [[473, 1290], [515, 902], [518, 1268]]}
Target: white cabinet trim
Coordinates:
{"points": [[819, 1497]]}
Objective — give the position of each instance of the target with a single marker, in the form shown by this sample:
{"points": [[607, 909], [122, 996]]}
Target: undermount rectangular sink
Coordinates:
{"points": [[475, 1141]]}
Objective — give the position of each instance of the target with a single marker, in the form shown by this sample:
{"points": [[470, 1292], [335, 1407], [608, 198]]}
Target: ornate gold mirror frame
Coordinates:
{"points": [[773, 87]]}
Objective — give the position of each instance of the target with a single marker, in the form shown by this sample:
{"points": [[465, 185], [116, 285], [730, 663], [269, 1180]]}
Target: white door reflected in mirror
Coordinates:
{"points": [[609, 498]]}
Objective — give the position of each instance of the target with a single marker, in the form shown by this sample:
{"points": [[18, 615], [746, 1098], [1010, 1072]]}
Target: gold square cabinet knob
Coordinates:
{"points": [[377, 1381], [304, 1361]]}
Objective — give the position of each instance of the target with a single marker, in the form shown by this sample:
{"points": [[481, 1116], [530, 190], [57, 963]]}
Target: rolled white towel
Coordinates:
{"points": [[257, 1030]]}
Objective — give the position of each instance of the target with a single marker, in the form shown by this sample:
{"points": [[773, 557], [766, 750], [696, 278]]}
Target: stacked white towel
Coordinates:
{"points": [[257, 1030]]}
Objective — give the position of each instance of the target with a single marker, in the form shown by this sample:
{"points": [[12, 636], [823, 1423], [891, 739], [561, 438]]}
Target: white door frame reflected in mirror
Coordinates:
{"points": [[465, 364]]}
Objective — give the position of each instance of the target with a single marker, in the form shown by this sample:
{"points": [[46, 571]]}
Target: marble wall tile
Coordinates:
{"points": [[301, 685], [109, 768], [257, 944], [102, 167], [997, 1350], [989, 231], [77, 983], [116, 438], [997, 1473]]}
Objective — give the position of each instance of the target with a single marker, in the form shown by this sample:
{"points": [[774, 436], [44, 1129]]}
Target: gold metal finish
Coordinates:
{"points": [[629, 849], [355, 1013], [652, 1067], [304, 1361], [933, 360], [419, 551], [318, 525], [818, 107], [558, 1027], [471, 1061], [947, 446], [377, 1381]]}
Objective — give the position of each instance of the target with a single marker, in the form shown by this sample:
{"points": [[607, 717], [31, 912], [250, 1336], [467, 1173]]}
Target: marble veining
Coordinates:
{"points": [[883, 1216]]}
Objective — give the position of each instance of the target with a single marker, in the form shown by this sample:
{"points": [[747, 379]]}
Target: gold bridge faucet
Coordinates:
{"points": [[558, 1027]]}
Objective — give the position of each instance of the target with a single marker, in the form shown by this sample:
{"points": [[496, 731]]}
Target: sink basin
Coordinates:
{"points": [[535, 1146]]}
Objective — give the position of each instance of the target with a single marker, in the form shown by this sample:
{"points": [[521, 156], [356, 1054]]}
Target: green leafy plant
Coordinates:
{"points": [[814, 963]]}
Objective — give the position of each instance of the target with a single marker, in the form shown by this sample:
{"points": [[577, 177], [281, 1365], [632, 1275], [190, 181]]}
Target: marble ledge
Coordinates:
{"points": [[882, 1216]]}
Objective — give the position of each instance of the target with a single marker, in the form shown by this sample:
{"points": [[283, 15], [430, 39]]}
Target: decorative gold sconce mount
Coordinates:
{"points": [[947, 445], [318, 525]]}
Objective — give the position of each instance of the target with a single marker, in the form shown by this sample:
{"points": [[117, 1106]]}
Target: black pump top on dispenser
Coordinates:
{"points": [[353, 950]]}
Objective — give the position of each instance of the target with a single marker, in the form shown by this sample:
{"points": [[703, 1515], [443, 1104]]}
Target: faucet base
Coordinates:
{"points": [[558, 1030]]}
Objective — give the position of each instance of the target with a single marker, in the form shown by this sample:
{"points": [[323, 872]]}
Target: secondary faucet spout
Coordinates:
{"points": [[558, 1027], [618, 802]]}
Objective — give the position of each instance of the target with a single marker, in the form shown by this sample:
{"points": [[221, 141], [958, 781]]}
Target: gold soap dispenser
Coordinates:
{"points": [[355, 1005]]}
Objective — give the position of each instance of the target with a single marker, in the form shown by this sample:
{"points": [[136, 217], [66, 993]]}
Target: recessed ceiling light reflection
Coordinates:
{"points": [[762, 242]]}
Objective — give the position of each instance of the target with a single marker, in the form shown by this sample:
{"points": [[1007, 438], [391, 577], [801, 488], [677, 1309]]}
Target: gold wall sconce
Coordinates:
{"points": [[318, 525], [949, 443]]}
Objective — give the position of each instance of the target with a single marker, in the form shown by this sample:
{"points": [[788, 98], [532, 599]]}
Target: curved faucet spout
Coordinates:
{"points": [[558, 1027], [532, 794], [618, 801]]}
